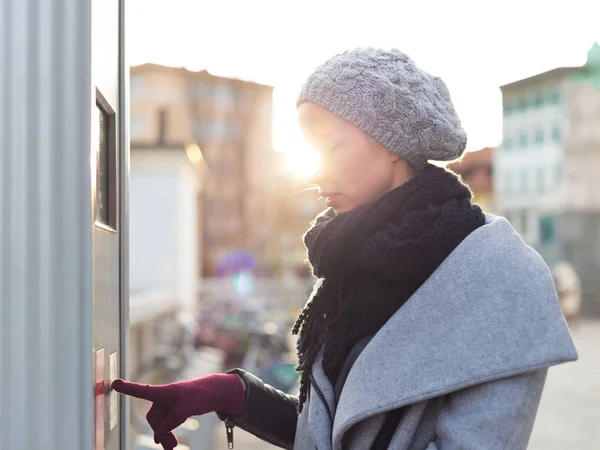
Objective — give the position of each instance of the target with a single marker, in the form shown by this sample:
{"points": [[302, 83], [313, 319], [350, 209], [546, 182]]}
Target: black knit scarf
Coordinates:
{"points": [[373, 258]]}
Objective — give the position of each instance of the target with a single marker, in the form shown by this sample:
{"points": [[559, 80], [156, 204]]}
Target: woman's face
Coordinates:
{"points": [[354, 170]]}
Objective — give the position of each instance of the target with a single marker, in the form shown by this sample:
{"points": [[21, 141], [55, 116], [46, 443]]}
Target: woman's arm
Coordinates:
{"points": [[268, 413], [494, 415]]}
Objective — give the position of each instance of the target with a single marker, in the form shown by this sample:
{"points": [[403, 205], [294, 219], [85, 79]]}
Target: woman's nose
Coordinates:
{"points": [[315, 178], [316, 172]]}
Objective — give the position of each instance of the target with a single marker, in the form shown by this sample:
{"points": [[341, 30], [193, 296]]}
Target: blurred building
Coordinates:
{"points": [[231, 121], [547, 170], [476, 170]]}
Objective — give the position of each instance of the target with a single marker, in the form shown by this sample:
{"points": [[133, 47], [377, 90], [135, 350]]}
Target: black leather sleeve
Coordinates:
{"points": [[269, 414]]}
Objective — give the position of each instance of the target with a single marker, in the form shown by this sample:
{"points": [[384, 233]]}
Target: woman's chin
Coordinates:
{"points": [[341, 209]]}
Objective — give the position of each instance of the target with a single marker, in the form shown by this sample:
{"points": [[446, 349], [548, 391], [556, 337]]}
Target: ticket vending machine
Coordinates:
{"points": [[109, 179]]}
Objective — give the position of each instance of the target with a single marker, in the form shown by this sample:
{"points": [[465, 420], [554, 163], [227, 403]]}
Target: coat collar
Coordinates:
{"points": [[489, 311]]}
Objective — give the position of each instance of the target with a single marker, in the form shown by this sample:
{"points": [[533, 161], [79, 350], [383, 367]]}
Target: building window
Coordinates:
{"points": [[554, 96], [547, 229], [558, 173], [198, 129], [219, 131], [235, 130], [539, 136], [224, 95], [137, 125], [508, 183], [136, 86], [167, 94], [201, 91], [556, 133], [524, 222], [216, 130], [523, 139], [524, 181], [162, 126], [508, 108], [538, 100], [508, 143], [541, 185]]}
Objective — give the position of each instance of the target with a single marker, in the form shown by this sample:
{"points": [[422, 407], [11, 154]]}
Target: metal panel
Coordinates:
{"points": [[124, 165], [45, 234]]}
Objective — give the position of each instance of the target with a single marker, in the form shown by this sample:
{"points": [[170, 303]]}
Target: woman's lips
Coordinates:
{"points": [[333, 200]]}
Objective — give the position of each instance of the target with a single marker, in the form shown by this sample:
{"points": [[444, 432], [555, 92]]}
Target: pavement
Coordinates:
{"points": [[569, 413], [568, 416]]}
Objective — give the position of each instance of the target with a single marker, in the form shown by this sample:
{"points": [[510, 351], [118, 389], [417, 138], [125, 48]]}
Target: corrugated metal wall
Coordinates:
{"points": [[45, 234]]}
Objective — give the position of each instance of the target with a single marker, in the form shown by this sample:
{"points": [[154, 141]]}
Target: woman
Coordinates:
{"points": [[432, 324], [568, 288]]}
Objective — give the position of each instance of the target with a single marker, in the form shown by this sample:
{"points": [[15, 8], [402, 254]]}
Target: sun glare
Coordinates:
{"points": [[302, 162]]}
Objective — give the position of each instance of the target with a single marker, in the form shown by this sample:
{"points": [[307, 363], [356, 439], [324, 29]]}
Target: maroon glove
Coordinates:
{"points": [[173, 403]]}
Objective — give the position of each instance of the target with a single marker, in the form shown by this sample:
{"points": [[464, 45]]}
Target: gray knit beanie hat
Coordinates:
{"points": [[388, 97]]}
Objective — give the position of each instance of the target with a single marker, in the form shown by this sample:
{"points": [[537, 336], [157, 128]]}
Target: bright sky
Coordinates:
{"points": [[475, 46]]}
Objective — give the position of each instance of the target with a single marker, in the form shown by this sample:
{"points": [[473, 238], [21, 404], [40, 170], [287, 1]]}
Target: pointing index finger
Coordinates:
{"points": [[137, 390]]}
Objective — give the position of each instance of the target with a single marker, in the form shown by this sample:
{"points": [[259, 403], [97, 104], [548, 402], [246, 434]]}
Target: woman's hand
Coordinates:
{"points": [[173, 404]]}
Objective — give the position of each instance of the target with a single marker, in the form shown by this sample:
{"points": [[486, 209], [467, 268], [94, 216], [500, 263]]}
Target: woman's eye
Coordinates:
{"points": [[327, 151]]}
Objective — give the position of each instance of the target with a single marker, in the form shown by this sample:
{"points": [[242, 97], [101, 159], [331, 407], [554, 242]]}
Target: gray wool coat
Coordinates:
{"points": [[464, 360], [466, 357]]}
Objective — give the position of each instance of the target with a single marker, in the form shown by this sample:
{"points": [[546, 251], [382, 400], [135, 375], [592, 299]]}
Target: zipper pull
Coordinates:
{"points": [[229, 428]]}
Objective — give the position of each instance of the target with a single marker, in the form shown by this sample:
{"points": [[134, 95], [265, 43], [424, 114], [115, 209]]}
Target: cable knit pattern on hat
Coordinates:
{"points": [[388, 97]]}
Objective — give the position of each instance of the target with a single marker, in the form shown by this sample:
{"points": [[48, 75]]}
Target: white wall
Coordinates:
{"points": [[164, 247], [188, 242], [153, 230]]}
